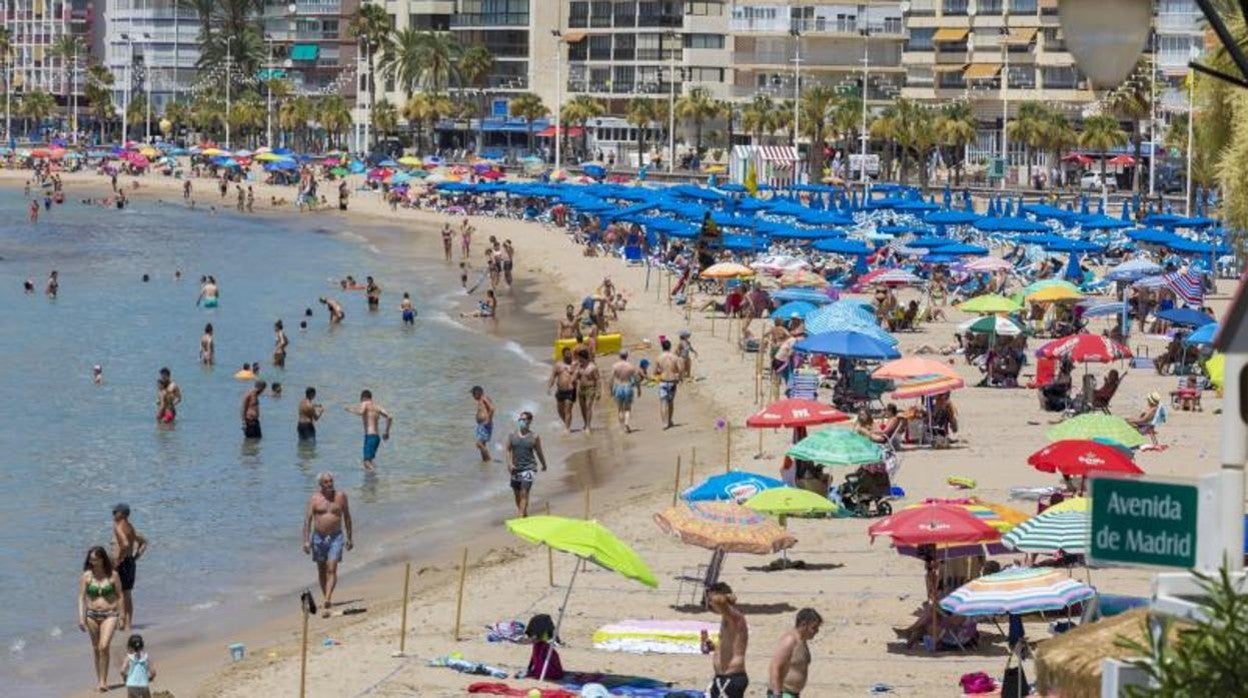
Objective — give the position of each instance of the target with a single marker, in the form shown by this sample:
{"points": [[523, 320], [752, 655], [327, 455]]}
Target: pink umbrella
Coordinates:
{"points": [[1085, 348]]}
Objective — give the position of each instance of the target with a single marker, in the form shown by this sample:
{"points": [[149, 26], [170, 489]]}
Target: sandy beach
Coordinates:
{"points": [[861, 589]]}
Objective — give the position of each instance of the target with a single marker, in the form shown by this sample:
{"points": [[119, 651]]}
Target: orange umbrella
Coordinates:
{"points": [[912, 367], [926, 386]]}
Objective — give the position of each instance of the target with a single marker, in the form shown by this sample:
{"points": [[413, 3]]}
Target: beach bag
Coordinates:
{"points": [[977, 683], [1014, 683]]}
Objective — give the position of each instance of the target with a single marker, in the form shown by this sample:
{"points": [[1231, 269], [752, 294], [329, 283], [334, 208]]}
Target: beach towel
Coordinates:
{"points": [[620, 685], [654, 636], [465, 666], [502, 689], [505, 631]]}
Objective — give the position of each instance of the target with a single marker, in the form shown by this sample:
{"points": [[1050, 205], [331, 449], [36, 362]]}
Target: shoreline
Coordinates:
{"points": [[195, 661]]}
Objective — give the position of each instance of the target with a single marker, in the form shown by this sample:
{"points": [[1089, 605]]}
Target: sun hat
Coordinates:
{"points": [[1154, 398]]}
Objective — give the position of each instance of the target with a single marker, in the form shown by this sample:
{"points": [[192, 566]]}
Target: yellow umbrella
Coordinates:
{"points": [[1072, 504], [790, 501], [213, 151], [149, 152], [1054, 293], [1216, 368], [269, 157], [726, 270], [411, 161]]}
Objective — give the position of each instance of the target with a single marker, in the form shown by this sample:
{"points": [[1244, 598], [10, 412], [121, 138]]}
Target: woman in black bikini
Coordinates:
{"points": [[100, 606]]}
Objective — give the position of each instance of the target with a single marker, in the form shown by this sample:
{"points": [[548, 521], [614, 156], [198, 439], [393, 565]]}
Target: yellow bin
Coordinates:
{"points": [[607, 344]]}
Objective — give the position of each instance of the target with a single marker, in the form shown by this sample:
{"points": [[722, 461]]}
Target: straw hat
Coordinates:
{"points": [[1154, 398]]}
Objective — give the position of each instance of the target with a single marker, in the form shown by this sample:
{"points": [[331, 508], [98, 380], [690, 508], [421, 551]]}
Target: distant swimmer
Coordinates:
{"points": [[371, 413], [53, 285], [34, 211], [207, 346], [250, 410], [209, 293], [336, 313], [280, 342], [28, 286], [408, 310], [168, 397], [310, 412], [97, 374], [373, 293], [245, 373]]}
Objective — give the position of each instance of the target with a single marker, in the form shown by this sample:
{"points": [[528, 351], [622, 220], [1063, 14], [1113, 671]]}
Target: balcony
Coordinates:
{"points": [[1179, 22]]}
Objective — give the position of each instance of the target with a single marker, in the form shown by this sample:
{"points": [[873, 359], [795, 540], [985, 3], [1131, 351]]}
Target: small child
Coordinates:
{"points": [[138, 670], [463, 274]]}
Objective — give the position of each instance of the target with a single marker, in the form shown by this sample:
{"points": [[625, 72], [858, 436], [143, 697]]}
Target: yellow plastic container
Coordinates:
{"points": [[607, 344]]}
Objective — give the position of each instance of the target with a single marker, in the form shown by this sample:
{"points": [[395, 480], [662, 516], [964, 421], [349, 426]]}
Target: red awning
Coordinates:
{"points": [[549, 132]]}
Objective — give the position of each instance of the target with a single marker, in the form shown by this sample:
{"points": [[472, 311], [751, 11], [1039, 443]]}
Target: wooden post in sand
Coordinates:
{"points": [[693, 464], [407, 581], [760, 443], [550, 557], [728, 447], [676, 485], [459, 598], [587, 502], [303, 655], [712, 325]]}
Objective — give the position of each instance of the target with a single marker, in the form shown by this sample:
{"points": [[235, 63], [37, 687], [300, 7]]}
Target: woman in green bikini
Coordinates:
{"points": [[100, 606]]}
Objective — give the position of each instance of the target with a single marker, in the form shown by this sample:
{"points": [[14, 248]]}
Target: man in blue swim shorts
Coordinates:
{"points": [[327, 519], [484, 431], [371, 413]]}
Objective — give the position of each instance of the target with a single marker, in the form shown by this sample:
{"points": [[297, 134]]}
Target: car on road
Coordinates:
{"points": [[1092, 182]]}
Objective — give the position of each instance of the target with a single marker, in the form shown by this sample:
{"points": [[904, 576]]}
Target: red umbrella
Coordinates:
{"points": [[1085, 348], [795, 413], [1121, 161], [1078, 159], [934, 524], [1079, 458]]}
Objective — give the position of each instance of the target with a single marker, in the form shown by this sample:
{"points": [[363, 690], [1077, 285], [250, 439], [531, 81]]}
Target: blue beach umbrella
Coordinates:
{"points": [[1186, 317], [1202, 335], [736, 486], [849, 344], [798, 308]]}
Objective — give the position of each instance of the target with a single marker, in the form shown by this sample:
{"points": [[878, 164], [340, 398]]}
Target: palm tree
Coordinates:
{"points": [[293, 116], [385, 118], [957, 127], [208, 113], [424, 110], [1133, 101], [846, 122], [887, 128], [728, 110], [6, 55], [918, 134], [640, 114], [1059, 136], [247, 114], [697, 105], [335, 117], [177, 114], [816, 109], [759, 117], [400, 59], [371, 26], [529, 107], [99, 94], [782, 120], [1028, 128], [580, 110], [439, 67], [1102, 133], [69, 48], [475, 66], [37, 106], [136, 111]]}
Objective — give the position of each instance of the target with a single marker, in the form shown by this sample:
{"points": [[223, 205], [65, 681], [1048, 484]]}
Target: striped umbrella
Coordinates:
{"points": [[926, 386], [913, 367], [1066, 530], [1085, 348], [1017, 591], [822, 322], [897, 277], [1097, 427], [724, 526], [988, 264]]}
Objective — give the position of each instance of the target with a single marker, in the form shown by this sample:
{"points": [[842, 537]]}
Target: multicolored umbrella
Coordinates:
{"points": [[934, 524], [1056, 529], [987, 264], [998, 516], [790, 501], [1080, 458], [733, 486], [1019, 590], [913, 367], [990, 304], [795, 412], [1085, 348], [926, 386], [837, 447], [992, 324], [724, 526], [1095, 426]]}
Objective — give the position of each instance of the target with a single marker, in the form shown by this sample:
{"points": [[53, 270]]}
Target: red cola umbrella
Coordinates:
{"points": [[794, 413], [1080, 458], [934, 524], [1085, 348]]}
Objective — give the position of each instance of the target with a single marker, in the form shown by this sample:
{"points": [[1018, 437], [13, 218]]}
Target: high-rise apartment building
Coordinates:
{"points": [[150, 40], [35, 27], [311, 45]]}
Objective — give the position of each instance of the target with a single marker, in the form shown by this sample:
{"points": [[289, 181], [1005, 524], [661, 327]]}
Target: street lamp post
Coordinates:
{"points": [[1191, 125], [125, 93], [229, 65], [866, 67], [797, 84], [1152, 124], [268, 84], [671, 107], [1005, 101], [558, 97]]}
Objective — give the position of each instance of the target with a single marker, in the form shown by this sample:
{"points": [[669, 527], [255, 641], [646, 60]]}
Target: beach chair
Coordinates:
{"points": [[1150, 429], [696, 580], [804, 384], [633, 255]]}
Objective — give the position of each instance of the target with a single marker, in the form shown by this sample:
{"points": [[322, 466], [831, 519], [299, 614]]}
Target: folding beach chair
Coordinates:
{"points": [[804, 384], [633, 255]]}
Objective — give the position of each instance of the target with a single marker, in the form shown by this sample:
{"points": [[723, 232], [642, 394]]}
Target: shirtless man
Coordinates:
{"points": [[624, 380], [586, 386], [168, 396], [563, 380], [54, 284], [280, 342], [207, 346], [250, 410], [669, 372], [566, 329], [485, 422], [728, 657], [336, 313], [509, 260], [208, 294], [309, 412], [128, 546], [372, 294], [371, 413], [407, 310], [327, 516], [790, 665], [446, 240]]}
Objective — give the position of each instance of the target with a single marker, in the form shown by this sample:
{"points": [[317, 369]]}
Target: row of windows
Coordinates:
{"points": [[637, 13]]}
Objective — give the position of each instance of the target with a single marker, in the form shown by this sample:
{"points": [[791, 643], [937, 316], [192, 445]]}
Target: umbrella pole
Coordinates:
{"points": [[558, 623]]}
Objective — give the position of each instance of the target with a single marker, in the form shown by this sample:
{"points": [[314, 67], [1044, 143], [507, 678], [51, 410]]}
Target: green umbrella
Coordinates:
{"points": [[340, 172], [990, 304], [837, 447], [992, 324], [588, 540], [1096, 427], [790, 501], [1067, 530]]}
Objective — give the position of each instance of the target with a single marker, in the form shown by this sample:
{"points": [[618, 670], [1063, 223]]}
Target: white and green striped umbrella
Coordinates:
{"points": [[1051, 531]]}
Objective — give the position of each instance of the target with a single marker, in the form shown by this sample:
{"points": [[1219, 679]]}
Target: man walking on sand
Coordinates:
{"points": [[371, 413], [624, 380], [327, 517], [669, 373], [485, 422], [728, 657], [790, 665], [587, 377], [563, 380], [524, 451]]}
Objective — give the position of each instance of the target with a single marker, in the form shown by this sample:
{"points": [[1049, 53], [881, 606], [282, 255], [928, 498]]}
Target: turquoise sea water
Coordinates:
{"points": [[222, 516]]}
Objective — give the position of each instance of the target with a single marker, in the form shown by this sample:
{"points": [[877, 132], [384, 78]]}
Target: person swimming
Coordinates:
{"points": [[408, 310], [209, 293]]}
